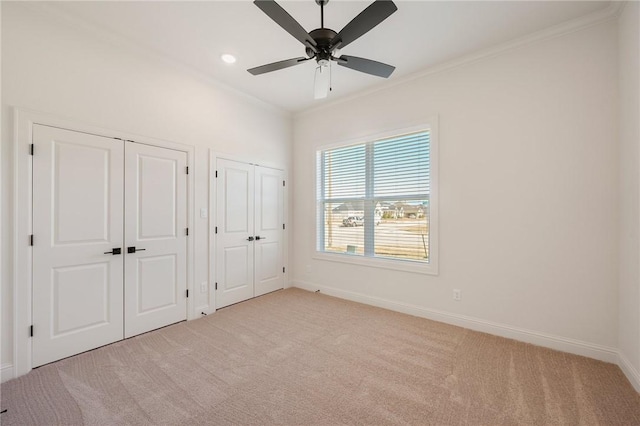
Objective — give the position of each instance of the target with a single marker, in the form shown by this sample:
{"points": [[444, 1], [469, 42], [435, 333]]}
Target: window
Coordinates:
{"points": [[376, 200]]}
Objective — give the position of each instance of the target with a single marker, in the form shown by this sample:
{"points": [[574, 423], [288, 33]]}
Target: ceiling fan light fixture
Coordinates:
{"points": [[228, 58], [322, 82]]}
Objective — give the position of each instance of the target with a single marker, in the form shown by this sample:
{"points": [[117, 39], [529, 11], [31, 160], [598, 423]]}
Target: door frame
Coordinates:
{"points": [[23, 122], [213, 157]]}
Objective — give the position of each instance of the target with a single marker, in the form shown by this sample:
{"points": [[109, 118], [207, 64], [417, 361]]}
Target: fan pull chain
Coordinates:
{"points": [[330, 78]]}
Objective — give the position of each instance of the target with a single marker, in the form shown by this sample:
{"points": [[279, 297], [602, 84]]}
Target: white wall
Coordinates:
{"points": [[528, 192], [50, 66], [629, 68]]}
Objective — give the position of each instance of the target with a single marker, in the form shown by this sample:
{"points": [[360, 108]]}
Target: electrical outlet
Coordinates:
{"points": [[457, 294], [203, 287]]}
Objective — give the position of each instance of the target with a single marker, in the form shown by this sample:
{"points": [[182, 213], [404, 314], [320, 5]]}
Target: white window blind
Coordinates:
{"points": [[374, 198]]}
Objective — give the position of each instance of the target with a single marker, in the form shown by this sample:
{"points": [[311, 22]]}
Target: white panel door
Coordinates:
{"points": [[269, 192], [77, 224], [234, 242], [155, 237]]}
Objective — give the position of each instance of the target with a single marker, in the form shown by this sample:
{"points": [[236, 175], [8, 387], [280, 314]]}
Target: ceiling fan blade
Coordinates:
{"points": [[274, 11], [322, 82], [366, 65], [275, 66], [377, 12]]}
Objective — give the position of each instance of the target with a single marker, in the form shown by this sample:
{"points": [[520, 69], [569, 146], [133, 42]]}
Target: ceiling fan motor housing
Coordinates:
{"points": [[323, 38]]}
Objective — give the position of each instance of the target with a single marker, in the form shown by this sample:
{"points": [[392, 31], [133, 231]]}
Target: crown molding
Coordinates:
{"points": [[121, 42], [621, 5], [603, 15], [612, 11]]}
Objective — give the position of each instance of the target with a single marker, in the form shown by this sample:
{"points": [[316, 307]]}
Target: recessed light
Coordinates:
{"points": [[228, 58]]}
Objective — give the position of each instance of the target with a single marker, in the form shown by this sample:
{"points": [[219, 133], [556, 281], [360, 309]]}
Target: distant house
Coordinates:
{"points": [[403, 210], [413, 212], [392, 211], [354, 208]]}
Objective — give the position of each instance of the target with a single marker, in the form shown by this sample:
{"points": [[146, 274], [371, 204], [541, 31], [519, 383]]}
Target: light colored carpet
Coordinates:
{"points": [[294, 357]]}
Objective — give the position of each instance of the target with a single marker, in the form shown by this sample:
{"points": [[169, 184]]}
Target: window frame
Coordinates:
{"points": [[406, 265]]}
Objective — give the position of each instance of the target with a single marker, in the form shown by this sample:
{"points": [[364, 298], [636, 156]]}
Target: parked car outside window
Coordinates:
{"points": [[353, 221]]}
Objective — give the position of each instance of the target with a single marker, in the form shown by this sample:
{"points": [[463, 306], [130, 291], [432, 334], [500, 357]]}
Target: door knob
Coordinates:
{"points": [[250, 239], [133, 249], [116, 250], [258, 237]]}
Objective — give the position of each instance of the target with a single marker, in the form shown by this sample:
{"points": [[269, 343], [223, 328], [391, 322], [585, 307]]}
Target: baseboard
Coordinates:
{"points": [[6, 372], [590, 350], [629, 370]]}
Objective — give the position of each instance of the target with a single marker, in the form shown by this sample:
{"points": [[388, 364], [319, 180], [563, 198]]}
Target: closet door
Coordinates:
{"points": [[234, 242], [269, 205], [155, 236], [77, 250]]}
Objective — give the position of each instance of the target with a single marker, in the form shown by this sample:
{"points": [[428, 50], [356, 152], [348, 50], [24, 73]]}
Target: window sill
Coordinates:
{"points": [[376, 262]]}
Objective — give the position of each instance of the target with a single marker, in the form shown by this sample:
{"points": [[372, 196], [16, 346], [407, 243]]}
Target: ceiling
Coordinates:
{"points": [[419, 35]]}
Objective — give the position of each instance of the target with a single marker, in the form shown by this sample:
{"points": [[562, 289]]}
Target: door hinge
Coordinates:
{"points": [[283, 226], [282, 183], [31, 240], [187, 231], [216, 286], [216, 229], [283, 269], [216, 173], [31, 149], [187, 292], [31, 331], [187, 169]]}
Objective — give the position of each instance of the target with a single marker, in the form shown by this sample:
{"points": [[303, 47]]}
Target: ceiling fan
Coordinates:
{"points": [[324, 44]]}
